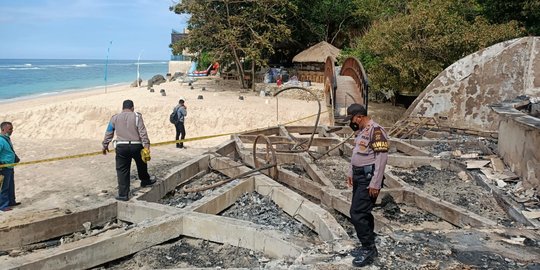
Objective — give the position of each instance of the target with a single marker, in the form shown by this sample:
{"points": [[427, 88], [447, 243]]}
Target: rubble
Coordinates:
{"points": [[262, 210], [190, 253], [446, 185], [181, 199]]}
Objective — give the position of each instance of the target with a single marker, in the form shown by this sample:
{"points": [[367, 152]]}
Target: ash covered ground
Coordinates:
{"points": [[181, 199], [335, 168], [190, 253], [446, 185], [465, 144], [262, 210], [408, 216]]}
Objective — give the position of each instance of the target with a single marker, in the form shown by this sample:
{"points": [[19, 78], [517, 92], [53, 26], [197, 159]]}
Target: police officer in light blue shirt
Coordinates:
{"points": [[365, 175], [7, 156]]}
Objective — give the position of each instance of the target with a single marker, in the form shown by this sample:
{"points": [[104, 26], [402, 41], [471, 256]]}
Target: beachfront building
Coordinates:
{"points": [[182, 62], [309, 63]]}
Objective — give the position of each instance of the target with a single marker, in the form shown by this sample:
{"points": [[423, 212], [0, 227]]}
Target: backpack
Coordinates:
{"points": [[173, 118]]}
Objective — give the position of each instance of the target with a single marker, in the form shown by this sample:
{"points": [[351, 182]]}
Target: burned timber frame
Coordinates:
{"points": [[307, 199]]}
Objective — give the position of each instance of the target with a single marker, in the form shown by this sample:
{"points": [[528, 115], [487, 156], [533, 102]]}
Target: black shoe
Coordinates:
{"points": [[357, 251], [365, 259], [152, 181], [120, 198], [15, 204]]}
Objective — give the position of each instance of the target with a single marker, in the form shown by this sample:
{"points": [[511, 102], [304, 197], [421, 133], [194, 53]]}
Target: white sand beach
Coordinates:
{"points": [[74, 123]]}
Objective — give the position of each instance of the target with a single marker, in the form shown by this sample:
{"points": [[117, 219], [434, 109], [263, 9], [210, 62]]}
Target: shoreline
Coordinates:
{"points": [[16, 104], [63, 92]]}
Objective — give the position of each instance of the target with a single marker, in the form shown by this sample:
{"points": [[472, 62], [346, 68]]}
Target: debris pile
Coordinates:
{"points": [[404, 214], [181, 199], [335, 169], [190, 253], [448, 186], [262, 210]]}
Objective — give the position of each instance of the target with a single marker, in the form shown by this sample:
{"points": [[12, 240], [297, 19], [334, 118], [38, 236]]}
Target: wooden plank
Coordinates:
{"points": [[180, 176], [244, 234], [303, 129], [223, 198], [29, 230], [265, 131], [497, 164], [313, 171], [476, 164], [413, 161], [273, 139], [447, 211], [225, 148], [93, 251], [408, 148]]}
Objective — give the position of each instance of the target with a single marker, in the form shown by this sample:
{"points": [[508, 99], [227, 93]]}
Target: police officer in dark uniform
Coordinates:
{"points": [[365, 175]]}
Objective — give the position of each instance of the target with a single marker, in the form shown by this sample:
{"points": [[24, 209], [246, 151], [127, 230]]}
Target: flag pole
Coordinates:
{"points": [[138, 74], [106, 64]]}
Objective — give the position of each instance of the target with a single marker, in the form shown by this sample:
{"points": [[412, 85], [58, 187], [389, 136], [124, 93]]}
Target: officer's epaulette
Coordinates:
{"points": [[379, 143]]}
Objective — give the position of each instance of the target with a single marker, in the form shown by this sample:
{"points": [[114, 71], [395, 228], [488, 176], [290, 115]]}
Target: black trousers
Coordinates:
{"points": [[361, 207], [180, 130], [124, 154]]}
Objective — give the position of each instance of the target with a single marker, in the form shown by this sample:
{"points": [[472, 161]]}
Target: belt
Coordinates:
{"points": [[363, 169], [128, 142]]}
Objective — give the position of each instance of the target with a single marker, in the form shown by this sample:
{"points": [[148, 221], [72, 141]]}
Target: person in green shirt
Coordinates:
{"points": [[7, 156]]}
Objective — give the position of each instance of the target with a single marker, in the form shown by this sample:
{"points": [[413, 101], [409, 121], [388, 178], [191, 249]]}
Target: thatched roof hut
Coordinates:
{"points": [[317, 53]]}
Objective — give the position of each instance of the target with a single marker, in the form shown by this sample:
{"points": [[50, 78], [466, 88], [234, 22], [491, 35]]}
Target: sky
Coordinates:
{"points": [[84, 29]]}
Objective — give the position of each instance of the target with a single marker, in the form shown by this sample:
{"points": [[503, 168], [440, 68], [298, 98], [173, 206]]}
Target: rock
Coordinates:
{"points": [[463, 176], [457, 153], [501, 183], [199, 97], [87, 225], [177, 75], [15, 253], [156, 80]]}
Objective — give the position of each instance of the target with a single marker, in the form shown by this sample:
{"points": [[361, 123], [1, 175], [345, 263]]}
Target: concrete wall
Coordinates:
{"points": [[519, 144], [460, 96], [179, 66]]}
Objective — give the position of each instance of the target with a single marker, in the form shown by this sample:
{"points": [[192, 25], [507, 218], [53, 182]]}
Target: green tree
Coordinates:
{"points": [[405, 52], [236, 30], [333, 21], [525, 12]]}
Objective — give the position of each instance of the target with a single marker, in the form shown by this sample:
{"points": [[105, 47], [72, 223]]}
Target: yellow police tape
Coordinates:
{"points": [[153, 145]]}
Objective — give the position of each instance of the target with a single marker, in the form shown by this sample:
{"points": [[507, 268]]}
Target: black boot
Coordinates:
{"points": [[366, 257], [178, 145], [357, 251]]}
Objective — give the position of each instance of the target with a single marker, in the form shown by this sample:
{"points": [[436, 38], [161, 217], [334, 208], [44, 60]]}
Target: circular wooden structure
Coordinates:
{"points": [[350, 86]]}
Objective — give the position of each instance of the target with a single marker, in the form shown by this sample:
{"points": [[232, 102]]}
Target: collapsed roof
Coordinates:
{"points": [[460, 95]]}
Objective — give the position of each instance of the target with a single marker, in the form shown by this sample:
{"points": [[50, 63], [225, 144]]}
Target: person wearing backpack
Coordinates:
{"points": [[7, 156], [177, 118]]}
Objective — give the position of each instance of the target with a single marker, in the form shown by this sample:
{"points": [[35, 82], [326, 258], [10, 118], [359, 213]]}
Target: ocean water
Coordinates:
{"points": [[27, 78]]}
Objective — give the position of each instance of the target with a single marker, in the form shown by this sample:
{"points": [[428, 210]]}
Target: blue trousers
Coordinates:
{"points": [[7, 193]]}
